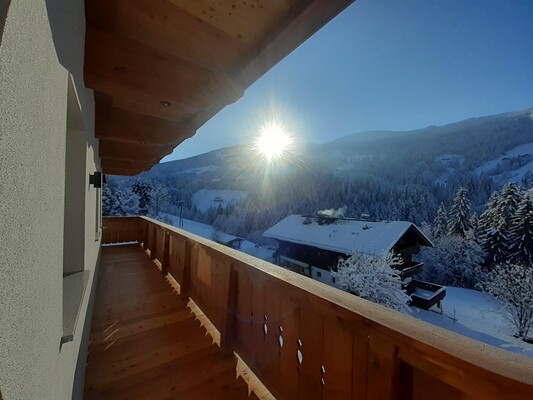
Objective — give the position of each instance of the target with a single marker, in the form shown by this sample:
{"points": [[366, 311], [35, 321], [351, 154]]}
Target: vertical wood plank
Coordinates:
{"points": [[359, 365], [153, 243], [258, 318], [185, 278], [338, 360], [290, 320], [227, 333], [271, 355], [166, 251], [244, 317], [382, 369], [312, 337], [406, 382]]}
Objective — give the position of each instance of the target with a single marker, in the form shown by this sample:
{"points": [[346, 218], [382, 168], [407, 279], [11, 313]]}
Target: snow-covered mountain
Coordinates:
{"points": [[482, 145], [389, 175]]}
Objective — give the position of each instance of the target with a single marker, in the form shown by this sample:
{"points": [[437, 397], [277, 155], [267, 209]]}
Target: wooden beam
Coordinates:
{"points": [[124, 67], [122, 125], [133, 151], [121, 172], [111, 163], [167, 27]]}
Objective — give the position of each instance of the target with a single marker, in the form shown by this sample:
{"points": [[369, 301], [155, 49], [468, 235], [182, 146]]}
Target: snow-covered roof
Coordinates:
{"points": [[344, 236]]}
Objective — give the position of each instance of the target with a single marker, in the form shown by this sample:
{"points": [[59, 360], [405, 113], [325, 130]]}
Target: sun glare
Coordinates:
{"points": [[273, 141]]}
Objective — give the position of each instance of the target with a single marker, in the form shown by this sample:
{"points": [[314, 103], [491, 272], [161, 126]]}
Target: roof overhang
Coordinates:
{"points": [[160, 69]]}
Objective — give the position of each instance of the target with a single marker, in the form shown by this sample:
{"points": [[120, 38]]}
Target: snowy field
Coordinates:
{"points": [[205, 199], [478, 316], [207, 231]]}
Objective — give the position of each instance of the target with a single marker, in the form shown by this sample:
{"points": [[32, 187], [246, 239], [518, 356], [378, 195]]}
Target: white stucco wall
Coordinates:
{"points": [[42, 43]]}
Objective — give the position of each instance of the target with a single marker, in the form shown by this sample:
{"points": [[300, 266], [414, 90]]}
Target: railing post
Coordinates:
{"points": [[153, 245], [185, 283], [227, 334], [166, 253], [144, 231]]}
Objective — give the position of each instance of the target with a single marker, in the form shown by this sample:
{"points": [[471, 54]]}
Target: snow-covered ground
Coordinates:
{"points": [[203, 230], [200, 170], [491, 167], [208, 232], [478, 316], [205, 199]]}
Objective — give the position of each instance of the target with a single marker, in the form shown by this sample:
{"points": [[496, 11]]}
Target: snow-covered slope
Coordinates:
{"points": [[205, 199], [511, 166], [476, 315]]}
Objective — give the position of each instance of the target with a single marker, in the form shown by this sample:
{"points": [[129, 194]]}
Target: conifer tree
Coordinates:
{"points": [[118, 204], [440, 222], [143, 189], [107, 201], [496, 245], [506, 206], [459, 221], [488, 218], [522, 232]]}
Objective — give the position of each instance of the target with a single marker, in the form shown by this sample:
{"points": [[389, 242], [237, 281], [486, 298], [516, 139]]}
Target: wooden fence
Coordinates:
{"points": [[306, 340]]}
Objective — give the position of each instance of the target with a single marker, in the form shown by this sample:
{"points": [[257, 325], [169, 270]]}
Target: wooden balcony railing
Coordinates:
{"points": [[306, 340]]}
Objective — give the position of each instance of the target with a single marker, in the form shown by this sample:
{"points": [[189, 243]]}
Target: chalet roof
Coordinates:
{"points": [[161, 69], [344, 236]]}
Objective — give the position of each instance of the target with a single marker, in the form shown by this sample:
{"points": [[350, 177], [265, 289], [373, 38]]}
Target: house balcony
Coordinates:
{"points": [[179, 316]]}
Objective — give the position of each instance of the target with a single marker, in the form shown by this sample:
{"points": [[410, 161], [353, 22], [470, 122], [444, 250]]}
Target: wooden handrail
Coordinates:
{"points": [[306, 340]]}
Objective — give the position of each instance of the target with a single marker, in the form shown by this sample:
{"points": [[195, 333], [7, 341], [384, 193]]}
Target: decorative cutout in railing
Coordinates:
{"points": [[265, 326]]}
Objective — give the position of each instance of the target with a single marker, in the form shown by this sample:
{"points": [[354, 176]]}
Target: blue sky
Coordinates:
{"points": [[391, 65]]}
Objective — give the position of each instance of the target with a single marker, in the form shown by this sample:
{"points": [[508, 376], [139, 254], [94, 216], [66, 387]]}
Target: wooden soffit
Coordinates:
{"points": [[160, 69]]}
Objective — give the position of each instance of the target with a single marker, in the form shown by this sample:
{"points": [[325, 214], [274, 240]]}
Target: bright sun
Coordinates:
{"points": [[273, 141]]}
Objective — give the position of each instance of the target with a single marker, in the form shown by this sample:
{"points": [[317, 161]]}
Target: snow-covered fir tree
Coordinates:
{"points": [[373, 278], [496, 245], [107, 201], [143, 189], [440, 222], [159, 197], [113, 200], [459, 221], [453, 261], [521, 233], [130, 204], [512, 284], [489, 217], [507, 205]]}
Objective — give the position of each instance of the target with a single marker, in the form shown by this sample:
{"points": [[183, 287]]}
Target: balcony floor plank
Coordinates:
{"points": [[145, 341]]}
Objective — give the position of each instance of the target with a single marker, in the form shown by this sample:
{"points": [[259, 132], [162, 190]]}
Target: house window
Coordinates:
{"points": [[319, 274], [75, 277]]}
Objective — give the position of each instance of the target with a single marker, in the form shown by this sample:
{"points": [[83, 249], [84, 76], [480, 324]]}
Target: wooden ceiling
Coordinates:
{"points": [[161, 68]]}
